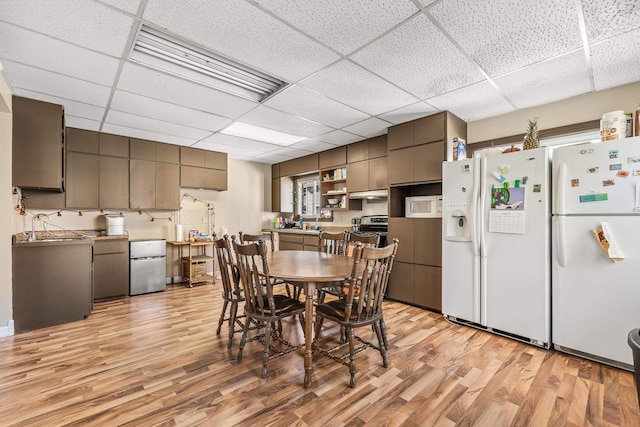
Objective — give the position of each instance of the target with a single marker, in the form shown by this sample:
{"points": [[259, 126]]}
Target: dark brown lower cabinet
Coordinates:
{"points": [[297, 242], [402, 282], [428, 287], [110, 269], [416, 284], [51, 283]]}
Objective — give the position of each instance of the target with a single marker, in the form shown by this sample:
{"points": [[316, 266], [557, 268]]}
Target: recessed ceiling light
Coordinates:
{"points": [[166, 53], [258, 133]]}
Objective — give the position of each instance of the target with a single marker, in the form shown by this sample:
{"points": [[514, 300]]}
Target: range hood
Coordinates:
{"points": [[373, 194]]}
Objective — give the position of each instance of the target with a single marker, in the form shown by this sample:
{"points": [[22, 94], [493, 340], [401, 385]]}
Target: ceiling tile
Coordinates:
{"points": [[275, 120], [243, 32], [81, 123], [547, 81], [338, 137], [247, 144], [302, 102], [26, 47], [152, 125], [312, 145], [71, 108], [345, 26], [369, 128], [290, 152], [420, 59], [46, 82], [171, 113], [145, 134], [410, 112], [81, 22], [130, 6], [609, 18], [353, 85], [474, 102], [157, 85], [616, 61], [234, 152], [509, 34], [271, 158]]}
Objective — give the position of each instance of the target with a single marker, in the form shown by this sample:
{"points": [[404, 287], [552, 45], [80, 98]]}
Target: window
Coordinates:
{"points": [[306, 197]]}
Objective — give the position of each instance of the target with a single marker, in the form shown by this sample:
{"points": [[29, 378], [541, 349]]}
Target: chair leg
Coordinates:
{"points": [[383, 349], [243, 341], [301, 320], [267, 343], [352, 357], [316, 334], [232, 322], [383, 327], [221, 320]]}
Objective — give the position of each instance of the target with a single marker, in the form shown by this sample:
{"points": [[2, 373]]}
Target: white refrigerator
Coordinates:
{"points": [[496, 244], [596, 292]]}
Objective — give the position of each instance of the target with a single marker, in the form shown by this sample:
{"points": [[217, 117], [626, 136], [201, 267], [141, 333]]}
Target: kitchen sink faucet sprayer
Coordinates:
{"points": [[32, 237]]}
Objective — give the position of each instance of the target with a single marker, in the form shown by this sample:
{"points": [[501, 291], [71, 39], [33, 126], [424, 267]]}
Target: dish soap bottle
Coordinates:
{"points": [[301, 224]]}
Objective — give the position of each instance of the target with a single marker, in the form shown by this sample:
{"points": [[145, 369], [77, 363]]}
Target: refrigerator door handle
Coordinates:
{"points": [[560, 189], [562, 254], [481, 211], [473, 218]]}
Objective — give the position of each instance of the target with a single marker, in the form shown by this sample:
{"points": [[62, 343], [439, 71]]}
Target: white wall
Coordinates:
{"points": [[581, 108], [6, 214]]}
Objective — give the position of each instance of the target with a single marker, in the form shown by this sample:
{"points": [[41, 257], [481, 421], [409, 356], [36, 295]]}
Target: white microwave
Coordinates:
{"points": [[423, 207]]}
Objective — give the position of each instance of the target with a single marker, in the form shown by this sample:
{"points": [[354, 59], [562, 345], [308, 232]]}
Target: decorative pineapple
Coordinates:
{"points": [[531, 137]]}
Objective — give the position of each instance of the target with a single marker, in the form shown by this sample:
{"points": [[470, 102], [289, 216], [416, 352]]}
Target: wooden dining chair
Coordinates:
{"points": [[369, 240], [361, 305], [335, 244], [268, 238], [261, 304], [232, 293], [332, 243]]}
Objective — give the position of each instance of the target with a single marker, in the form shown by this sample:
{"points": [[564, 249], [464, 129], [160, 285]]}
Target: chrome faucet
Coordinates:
{"points": [[32, 237]]}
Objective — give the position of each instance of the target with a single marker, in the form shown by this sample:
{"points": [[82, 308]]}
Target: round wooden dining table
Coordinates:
{"points": [[308, 269]]}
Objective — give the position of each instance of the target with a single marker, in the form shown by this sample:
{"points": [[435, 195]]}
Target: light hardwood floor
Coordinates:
{"points": [[156, 360]]}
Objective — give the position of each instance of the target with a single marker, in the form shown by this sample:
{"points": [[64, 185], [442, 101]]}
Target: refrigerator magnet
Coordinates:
{"points": [[575, 182], [613, 154], [537, 188], [524, 180], [622, 174], [608, 182], [636, 172], [593, 169], [615, 166], [498, 176], [634, 159], [594, 197]]}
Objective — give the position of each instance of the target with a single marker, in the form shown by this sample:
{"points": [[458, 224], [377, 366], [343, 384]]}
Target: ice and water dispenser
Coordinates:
{"points": [[456, 216]]}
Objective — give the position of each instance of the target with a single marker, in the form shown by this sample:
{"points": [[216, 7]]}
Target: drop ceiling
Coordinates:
{"points": [[353, 67]]}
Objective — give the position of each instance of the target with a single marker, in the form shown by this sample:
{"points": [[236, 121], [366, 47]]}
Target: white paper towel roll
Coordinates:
{"points": [[179, 233]]}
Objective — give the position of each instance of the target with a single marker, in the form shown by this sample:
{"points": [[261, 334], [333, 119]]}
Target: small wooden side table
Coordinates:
{"points": [[194, 265]]}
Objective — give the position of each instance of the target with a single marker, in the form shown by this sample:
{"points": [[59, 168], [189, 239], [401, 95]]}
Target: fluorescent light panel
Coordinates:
{"points": [[165, 53], [258, 133]]}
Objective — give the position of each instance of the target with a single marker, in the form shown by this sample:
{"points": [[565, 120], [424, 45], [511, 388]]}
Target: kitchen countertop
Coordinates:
{"points": [[79, 236], [331, 229]]}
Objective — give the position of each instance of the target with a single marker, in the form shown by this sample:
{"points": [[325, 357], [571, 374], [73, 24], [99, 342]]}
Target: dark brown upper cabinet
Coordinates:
{"points": [[38, 144]]}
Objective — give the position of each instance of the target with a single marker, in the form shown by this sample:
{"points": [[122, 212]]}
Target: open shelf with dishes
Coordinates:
{"points": [[334, 194]]}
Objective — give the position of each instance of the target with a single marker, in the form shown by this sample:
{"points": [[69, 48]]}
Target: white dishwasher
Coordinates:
{"points": [[148, 266]]}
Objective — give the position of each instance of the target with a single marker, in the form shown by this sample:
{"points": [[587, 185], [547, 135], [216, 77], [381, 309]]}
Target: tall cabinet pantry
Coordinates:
{"points": [[416, 150]]}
